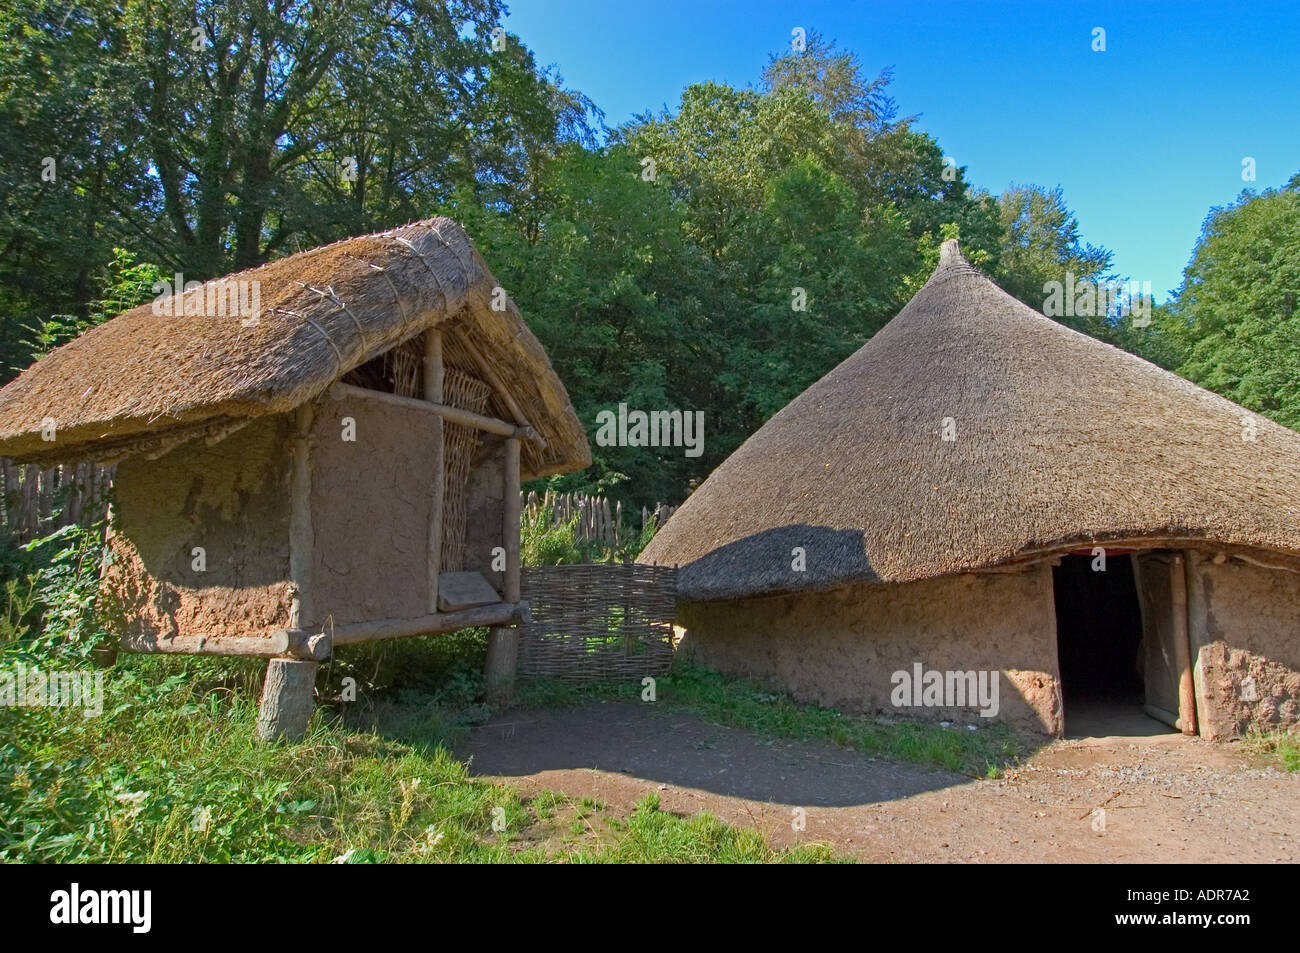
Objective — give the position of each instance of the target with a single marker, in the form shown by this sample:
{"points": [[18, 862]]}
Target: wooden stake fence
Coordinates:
{"points": [[36, 502], [597, 521]]}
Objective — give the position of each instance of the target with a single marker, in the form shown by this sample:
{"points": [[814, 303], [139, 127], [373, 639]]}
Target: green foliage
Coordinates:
{"points": [[671, 290], [447, 668], [647, 533], [837, 81], [1235, 322], [123, 284], [19, 613], [51, 611], [1279, 746], [544, 541], [1041, 243], [650, 836], [169, 769], [171, 772], [212, 136], [724, 256]]}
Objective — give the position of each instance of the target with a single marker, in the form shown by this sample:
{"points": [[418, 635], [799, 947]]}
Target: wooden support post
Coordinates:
{"points": [[1182, 644], [433, 377], [510, 520], [301, 536], [288, 693], [288, 699], [503, 643], [104, 654]]}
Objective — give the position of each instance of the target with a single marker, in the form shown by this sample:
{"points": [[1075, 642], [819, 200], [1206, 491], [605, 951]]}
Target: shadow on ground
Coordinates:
{"points": [[679, 749]]}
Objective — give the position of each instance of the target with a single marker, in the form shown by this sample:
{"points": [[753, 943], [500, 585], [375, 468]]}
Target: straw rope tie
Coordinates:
{"points": [[329, 295], [397, 299], [446, 302], [338, 355], [465, 269]]}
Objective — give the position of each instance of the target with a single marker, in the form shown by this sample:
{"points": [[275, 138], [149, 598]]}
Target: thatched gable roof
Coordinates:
{"points": [[1061, 442], [142, 377]]}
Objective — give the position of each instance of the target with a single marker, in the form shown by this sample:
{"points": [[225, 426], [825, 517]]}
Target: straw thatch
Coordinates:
{"points": [[143, 380], [1061, 442]]}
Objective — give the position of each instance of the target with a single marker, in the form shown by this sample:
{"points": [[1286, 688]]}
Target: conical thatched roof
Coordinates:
{"points": [[143, 377], [1061, 441]]}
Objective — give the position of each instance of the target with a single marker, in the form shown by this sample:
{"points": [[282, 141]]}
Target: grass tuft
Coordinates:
{"points": [[1280, 746]]}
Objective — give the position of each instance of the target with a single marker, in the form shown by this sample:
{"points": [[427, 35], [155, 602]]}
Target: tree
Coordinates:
{"points": [[1236, 317], [837, 82], [1041, 243]]}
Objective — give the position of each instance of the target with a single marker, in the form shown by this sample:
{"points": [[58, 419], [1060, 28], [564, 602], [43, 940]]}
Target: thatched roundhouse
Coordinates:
{"points": [[938, 503], [341, 465]]}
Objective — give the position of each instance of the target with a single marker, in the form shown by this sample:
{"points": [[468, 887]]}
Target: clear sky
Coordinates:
{"points": [[1144, 138]]}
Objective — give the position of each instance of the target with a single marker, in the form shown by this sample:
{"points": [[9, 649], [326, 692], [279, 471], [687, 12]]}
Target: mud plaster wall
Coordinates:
{"points": [[230, 499], [841, 648], [370, 501], [1244, 623], [484, 500]]}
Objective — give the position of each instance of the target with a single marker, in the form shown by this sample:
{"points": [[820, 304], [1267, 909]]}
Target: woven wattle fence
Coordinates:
{"points": [[598, 621]]}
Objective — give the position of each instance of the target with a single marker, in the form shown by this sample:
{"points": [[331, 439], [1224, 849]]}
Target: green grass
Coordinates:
{"points": [[1280, 746], [170, 772], [741, 703]]}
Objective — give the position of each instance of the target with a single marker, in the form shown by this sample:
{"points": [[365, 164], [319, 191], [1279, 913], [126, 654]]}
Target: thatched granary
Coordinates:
{"points": [[342, 465], [940, 498]]}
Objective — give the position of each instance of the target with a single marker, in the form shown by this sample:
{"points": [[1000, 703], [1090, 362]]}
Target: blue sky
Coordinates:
{"points": [[1144, 138]]}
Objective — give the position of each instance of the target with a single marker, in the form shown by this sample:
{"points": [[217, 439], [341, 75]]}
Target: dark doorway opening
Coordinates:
{"points": [[1099, 638]]}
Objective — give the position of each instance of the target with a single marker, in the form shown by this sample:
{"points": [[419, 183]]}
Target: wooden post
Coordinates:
{"points": [[510, 520], [301, 536], [288, 698], [433, 378], [104, 654], [503, 643], [1182, 644], [288, 692]]}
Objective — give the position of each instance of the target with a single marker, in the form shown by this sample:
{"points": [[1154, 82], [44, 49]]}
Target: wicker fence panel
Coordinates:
{"points": [[460, 444], [598, 621]]}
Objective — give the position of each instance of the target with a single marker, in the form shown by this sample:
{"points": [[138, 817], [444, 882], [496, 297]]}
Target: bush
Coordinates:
{"points": [[544, 542], [51, 606]]}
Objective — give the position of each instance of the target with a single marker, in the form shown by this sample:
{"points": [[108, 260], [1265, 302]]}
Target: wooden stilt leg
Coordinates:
{"points": [[288, 699], [503, 643]]}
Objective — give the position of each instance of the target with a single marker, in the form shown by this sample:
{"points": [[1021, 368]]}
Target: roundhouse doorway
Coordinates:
{"points": [[1099, 633]]}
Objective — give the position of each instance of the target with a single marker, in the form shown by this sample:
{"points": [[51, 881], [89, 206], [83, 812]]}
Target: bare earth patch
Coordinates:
{"points": [[1166, 798]]}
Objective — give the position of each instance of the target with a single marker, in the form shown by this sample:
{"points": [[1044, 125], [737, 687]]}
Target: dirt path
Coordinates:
{"points": [[1166, 799]]}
